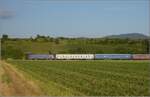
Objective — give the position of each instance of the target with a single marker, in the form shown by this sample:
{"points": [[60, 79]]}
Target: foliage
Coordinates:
{"points": [[11, 52], [56, 41], [4, 36], [46, 44]]}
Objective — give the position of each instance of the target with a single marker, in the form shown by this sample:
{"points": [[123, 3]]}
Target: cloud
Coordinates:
{"points": [[6, 14]]}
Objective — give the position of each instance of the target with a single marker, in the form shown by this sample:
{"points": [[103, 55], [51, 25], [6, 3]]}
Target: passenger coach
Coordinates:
{"points": [[41, 57], [113, 56], [75, 56], [141, 56]]}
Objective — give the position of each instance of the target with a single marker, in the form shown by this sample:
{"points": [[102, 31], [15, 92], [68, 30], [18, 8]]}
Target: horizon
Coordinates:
{"points": [[11, 36], [92, 19]]}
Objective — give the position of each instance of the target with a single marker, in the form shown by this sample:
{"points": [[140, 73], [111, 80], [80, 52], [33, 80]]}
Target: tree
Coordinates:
{"points": [[56, 41], [12, 52], [121, 50], [51, 39], [50, 52], [5, 36], [38, 36], [31, 39], [147, 44]]}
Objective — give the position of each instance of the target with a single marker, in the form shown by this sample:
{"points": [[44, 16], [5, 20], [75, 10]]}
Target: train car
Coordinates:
{"points": [[74, 56], [113, 56], [41, 57], [141, 56]]}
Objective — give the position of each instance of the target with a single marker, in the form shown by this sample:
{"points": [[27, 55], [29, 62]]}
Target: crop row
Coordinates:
{"points": [[89, 77]]}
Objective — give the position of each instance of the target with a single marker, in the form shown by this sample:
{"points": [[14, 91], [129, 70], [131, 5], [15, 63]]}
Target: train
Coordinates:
{"points": [[88, 56]]}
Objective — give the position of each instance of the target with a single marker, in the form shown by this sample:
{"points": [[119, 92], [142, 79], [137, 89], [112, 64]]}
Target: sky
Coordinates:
{"points": [[73, 18]]}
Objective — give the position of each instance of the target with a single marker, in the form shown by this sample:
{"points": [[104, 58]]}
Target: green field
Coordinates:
{"points": [[96, 78]]}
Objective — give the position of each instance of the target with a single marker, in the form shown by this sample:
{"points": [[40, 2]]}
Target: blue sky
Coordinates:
{"points": [[86, 18]]}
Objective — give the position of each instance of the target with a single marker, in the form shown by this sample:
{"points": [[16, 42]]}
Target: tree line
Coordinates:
{"points": [[75, 45]]}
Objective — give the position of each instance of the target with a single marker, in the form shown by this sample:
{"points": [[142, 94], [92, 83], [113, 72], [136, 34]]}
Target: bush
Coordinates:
{"points": [[11, 52]]}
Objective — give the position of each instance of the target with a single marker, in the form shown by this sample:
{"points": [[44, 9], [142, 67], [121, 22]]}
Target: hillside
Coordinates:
{"points": [[129, 35], [18, 48]]}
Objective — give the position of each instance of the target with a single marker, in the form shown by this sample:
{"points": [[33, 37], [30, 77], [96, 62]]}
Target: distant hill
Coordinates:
{"points": [[129, 35]]}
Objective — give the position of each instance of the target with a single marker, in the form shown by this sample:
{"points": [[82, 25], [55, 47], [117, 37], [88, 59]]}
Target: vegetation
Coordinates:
{"points": [[12, 52], [90, 78], [5, 79], [13, 83], [16, 48]]}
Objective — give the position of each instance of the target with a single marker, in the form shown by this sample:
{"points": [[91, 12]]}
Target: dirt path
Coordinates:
{"points": [[13, 83]]}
